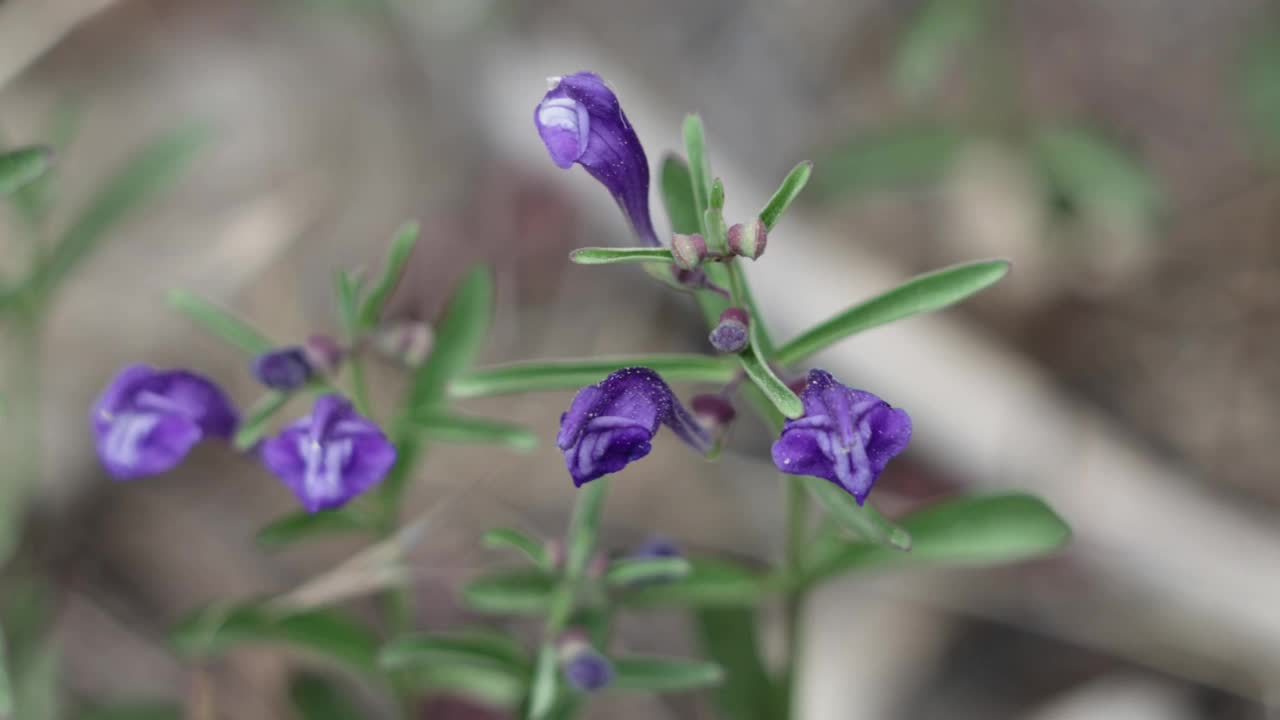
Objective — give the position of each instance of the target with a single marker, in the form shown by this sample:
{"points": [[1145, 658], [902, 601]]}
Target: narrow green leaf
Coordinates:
{"points": [[144, 175], [219, 322], [493, 685], [59, 127], [863, 520], [716, 202], [938, 31], [140, 710], [397, 256], [6, 685], [976, 530], [710, 583], [542, 697], [324, 632], [770, 385], [715, 232], [22, 166], [572, 374], [1095, 173], [677, 196], [305, 526], [695, 149], [729, 637], [584, 527], [887, 159], [347, 290], [791, 186], [513, 592], [448, 427], [509, 538], [314, 697], [662, 675], [924, 293], [1260, 85], [472, 647], [630, 571], [255, 423], [608, 256]]}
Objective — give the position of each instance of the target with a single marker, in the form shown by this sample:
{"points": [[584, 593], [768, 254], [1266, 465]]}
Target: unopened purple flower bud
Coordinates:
{"points": [[730, 335], [147, 420], [324, 353], [408, 342], [330, 456], [845, 436], [748, 239], [656, 546], [285, 369], [584, 667], [713, 412], [688, 250]]}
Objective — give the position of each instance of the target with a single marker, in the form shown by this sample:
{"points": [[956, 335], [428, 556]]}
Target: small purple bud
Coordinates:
{"points": [[748, 239], [330, 456], [713, 412], [324, 353], [656, 546], [845, 436], [147, 420], [408, 342], [584, 667], [284, 369], [730, 335], [688, 250]]}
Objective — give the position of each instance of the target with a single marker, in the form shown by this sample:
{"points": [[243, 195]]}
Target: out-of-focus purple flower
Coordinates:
{"points": [[330, 456], [611, 424], [731, 335], [407, 342], [584, 667], [656, 546], [846, 436], [285, 369], [147, 420], [580, 121]]}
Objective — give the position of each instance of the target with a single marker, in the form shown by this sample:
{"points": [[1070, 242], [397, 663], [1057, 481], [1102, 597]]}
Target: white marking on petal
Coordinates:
{"points": [[324, 463], [125, 438]]}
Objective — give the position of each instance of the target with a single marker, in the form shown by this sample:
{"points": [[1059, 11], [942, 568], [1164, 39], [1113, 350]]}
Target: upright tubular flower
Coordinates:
{"points": [[330, 456], [581, 121], [147, 420], [846, 436], [612, 424]]}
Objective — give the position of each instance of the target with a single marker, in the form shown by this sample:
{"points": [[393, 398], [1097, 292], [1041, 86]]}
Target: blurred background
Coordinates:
{"points": [[1121, 154]]}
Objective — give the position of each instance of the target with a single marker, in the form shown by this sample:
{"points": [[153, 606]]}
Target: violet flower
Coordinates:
{"points": [[330, 456], [147, 420], [284, 369], [581, 121], [611, 424], [846, 436], [584, 667]]}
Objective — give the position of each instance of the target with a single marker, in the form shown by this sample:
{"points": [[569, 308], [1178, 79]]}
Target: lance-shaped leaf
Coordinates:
{"points": [[220, 322], [710, 583], [677, 196], [572, 374], [470, 647], [609, 256], [938, 31], [513, 592], [923, 293], [770, 385], [1096, 173], [728, 636], [22, 166], [887, 159], [542, 696], [397, 256], [660, 675], [347, 290], [695, 149], [636, 570], [791, 186], [307, 525], [510, 538], [453, 428], [863, 520], [315, 697]]}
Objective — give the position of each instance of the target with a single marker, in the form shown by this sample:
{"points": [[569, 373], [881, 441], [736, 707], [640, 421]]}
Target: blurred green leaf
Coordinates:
{"points": [[542, 696], [786, 193], [728, 636], [710, 583], [863, 520], [607, 256], [939, 30], [325, 632], [314, 697], [6, 685], [533, 549], [923, 293], [661, 675], [37, 684], [974, 530], [59, 128], [695, 149], [573, 374], [887, 159], [488, 684], [448, 427], [140, 710], [255, 422], [512, 592], [1260, 85], [23, 166], [473, 647], [677, 196], [142, 177], [347, 289], [397, 257], [306, 526], [1095, 173], [219, 322], [769, 384], [630, 571]]}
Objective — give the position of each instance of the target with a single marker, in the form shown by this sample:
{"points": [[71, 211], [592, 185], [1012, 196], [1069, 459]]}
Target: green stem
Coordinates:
{"points": [[360, 386]]}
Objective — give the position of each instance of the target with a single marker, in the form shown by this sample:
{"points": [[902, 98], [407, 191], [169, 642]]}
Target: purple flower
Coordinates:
{"points": [[656, 546], [581, 121], [846, 436], [330, 456], [283, 369], [585, 668], [611, 424], [147, 420]]}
